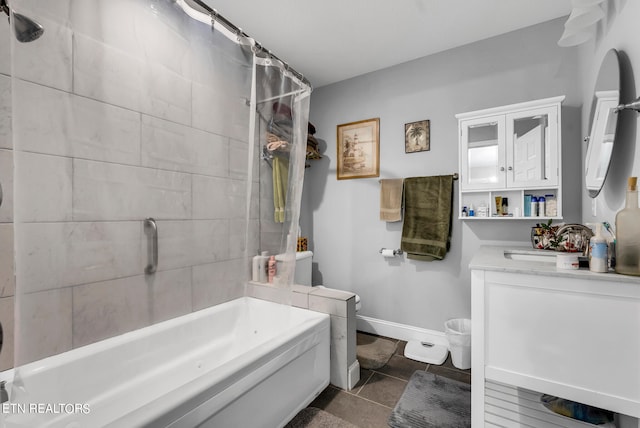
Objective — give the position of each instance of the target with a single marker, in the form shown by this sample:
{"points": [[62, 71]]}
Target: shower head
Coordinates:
{"points": [[26, 29]]}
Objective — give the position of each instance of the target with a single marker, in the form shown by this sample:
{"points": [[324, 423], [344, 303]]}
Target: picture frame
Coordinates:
{"points": [[358, 145], [417, 136]]}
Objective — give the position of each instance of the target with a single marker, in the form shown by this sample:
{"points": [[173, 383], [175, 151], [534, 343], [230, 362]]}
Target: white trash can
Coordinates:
{"points": [[458, 333]]}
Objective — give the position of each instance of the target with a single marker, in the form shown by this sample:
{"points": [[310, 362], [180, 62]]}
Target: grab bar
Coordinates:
{"points": [[151, 230]]}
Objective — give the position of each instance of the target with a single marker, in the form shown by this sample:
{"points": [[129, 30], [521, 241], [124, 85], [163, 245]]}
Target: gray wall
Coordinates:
{"points": [[618, 32], [341, 217]]}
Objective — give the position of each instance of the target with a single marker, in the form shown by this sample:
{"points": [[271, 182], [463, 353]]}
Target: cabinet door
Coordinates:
{"points": [[482, 153], [532, 147]]}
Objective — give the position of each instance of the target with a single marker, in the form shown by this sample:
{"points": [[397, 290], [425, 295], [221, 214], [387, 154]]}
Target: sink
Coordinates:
{"points": [[531, 256]]}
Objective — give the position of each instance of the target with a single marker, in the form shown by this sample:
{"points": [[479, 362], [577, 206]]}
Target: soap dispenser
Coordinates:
{"points": [[598, 254]]}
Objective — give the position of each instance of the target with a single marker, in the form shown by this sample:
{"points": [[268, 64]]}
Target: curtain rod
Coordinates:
{"points": [[215, 16]]}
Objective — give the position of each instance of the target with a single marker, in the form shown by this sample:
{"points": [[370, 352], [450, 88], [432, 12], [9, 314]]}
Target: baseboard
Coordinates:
{"points": [[399, 331]]}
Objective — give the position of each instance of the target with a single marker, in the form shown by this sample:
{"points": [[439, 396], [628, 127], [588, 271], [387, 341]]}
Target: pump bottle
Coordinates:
{"points": [[598, 254]]}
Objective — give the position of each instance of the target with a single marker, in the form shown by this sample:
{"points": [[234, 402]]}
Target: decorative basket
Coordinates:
{"points": [[302, 244]]}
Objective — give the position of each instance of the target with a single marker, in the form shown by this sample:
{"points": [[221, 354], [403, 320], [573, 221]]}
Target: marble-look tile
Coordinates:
{"points": [[216, 283], [44, 324], [106, 73], [5, 49], [188, 243], [54, 255], [166, 94], [59, 123], [176, 147], [6, 139], [221, 109], [210, 241], [218, 198], [6, 319], [7, 278], [238, 238], [339, 352], [239, 160], [154, 30], [43, 187], [47, 60], [104, 191], [328, 302], [6, 182], [171, 294], [106, 309]]}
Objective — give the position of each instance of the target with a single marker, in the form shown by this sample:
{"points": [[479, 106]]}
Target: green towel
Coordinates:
{"points": [[426, 230], [280, 183]]}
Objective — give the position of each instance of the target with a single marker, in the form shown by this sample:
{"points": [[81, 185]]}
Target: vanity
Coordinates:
{"points": [[537, 329]]}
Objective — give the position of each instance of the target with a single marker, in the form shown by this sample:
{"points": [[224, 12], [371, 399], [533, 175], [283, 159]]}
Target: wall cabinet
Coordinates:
{"points": [[510, 151]]}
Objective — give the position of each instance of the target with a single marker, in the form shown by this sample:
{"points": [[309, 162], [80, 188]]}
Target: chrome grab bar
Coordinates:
{"points": [[151, 230]]}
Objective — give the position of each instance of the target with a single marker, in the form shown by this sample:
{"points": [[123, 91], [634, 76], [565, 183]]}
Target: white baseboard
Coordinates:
{"points": [[399, 331]]}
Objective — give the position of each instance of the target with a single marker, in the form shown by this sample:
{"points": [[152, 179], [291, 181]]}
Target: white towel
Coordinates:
{"points": [[391, 199]]}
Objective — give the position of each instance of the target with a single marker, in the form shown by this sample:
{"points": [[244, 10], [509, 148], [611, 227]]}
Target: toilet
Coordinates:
{"points": [[304, 266]]}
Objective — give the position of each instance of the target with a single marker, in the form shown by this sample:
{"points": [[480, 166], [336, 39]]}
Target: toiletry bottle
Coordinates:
{"points": [[598, 254], [541, 206], [272, 269], [471, 211], [505, 206], [255, 268], [262, 266], [552, 205], [527, 206], [464, 212], [628, 233], [534, 207]]}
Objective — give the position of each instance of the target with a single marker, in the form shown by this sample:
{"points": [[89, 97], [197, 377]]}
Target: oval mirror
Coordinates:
{"points": [[604, 120]]}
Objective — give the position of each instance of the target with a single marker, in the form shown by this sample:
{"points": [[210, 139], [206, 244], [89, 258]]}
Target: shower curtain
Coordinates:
{"points": [[126, 110]]}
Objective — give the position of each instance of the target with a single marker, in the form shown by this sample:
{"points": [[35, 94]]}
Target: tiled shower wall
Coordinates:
{"points": [[118, 116]]}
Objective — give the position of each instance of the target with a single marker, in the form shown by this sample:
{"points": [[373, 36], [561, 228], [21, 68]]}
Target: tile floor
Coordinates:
{"points": [[370, 403]]}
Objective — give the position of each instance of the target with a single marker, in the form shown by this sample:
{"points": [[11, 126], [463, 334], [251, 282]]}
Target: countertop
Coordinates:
{"points": [[492, 258]]}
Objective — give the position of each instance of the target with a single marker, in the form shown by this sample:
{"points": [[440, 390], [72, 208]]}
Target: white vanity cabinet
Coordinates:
{"points": [[510, 151], [537, 329]]}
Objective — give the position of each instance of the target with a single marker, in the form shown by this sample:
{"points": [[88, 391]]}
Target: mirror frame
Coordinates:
{"points": [[610, 60]]}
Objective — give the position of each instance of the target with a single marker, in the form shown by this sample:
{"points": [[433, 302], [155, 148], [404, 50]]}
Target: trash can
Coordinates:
{"points": [[458, 333]]}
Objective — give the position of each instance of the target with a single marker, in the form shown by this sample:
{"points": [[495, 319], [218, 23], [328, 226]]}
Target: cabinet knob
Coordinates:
{"points": [[501, 168], [510, 168]]}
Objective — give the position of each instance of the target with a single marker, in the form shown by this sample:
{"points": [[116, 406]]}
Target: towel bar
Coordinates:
{"points": [[455, 176]]}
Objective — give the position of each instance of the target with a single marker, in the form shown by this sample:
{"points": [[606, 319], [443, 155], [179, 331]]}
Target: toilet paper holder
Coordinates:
{"points": [[397, 252]]}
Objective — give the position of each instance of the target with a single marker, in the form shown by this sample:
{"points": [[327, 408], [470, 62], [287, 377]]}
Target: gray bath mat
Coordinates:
{"points": [[374, 352], [312, 417], [433, 401]]}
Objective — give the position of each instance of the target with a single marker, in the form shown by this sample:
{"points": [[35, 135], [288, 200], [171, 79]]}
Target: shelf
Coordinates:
{"points": [[539, 219]]}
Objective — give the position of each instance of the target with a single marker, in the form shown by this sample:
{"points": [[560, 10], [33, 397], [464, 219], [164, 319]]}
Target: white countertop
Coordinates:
{"points": [[492, 258]]}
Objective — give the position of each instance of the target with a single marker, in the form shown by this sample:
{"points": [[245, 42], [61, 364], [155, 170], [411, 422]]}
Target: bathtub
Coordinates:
{"points": [[244, 363]]}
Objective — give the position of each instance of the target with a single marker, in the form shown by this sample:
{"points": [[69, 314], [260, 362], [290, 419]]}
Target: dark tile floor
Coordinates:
{"points": [[370, 403]]}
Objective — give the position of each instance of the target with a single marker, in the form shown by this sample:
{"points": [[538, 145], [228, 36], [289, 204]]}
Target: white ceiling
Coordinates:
{"points": [[333, 40]]}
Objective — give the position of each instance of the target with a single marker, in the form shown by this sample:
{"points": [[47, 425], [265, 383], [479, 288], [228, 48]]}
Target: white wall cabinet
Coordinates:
{"points": [[510, 151]]}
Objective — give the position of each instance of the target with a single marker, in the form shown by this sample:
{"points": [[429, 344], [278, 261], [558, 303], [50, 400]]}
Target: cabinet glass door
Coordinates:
{"points": [[532, 149], [482, 160]]}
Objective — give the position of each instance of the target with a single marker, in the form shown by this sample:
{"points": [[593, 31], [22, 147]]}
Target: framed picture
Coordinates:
{"points": [[416, 137], [359, 149]]}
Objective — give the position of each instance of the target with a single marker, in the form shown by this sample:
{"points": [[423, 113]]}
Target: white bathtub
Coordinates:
{"points": [[245, 363]]}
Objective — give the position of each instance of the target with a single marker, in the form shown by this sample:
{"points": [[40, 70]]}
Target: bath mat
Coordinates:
{"points": [[374, 352], [433, 401], [312, 417]]}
